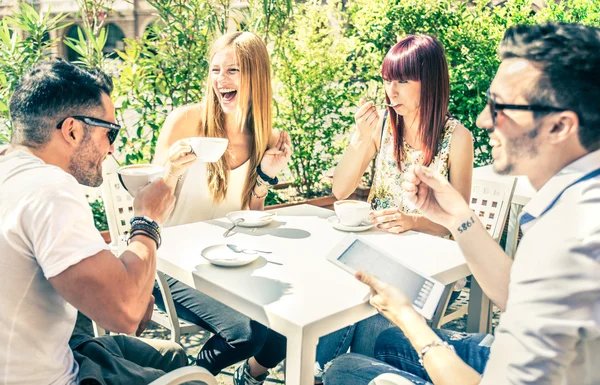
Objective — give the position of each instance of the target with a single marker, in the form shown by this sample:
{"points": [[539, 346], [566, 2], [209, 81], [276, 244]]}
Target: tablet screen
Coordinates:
{"points": [[362, 256]]}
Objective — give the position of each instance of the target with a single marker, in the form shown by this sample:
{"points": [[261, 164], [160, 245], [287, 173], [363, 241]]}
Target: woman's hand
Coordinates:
{"points": [[278, 156], [366, 118], [393, 220], [181, 156]]}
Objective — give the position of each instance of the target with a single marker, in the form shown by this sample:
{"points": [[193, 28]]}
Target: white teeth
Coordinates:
{"points": [[225, 90]]}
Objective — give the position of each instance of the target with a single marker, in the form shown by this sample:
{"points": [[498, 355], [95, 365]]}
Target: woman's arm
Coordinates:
{"points": [[273, 162], [171, 150], [363, 147], [461, 171]]}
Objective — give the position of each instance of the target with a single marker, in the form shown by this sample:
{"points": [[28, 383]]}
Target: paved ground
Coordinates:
{"points": [[193, 343]]}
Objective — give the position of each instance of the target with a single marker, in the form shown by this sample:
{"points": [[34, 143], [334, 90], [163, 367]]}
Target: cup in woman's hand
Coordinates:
{"points": [[136, 176], [208, 149], [350, 212]]}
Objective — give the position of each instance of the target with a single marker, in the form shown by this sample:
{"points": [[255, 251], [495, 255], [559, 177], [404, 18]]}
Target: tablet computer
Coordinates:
{"points": [[355, 253]]}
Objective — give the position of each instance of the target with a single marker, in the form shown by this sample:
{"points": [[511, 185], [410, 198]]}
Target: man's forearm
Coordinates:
{"points": [[487, 261], [443, 366], [140, 262]]}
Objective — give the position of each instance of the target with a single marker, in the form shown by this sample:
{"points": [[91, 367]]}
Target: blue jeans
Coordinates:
{"points": [[359, 338], [394, 354]]}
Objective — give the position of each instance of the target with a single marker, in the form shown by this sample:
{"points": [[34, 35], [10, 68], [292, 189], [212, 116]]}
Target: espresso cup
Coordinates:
{"points": [[208, 149], [136, 176], [351, 213]]}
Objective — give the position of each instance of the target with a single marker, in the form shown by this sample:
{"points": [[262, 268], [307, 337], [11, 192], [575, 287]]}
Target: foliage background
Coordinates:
{"points": [[324, 56]]}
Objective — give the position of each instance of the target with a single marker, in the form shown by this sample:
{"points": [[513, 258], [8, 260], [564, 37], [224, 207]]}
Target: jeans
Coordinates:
{"points": [[394, 354], [236, 337], [359, 338]]}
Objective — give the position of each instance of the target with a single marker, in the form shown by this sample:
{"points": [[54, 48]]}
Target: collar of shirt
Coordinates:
{"points": [[556, 185]]}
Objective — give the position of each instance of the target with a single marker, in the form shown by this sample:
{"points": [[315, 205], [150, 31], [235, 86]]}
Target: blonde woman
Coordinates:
{"points": [[237, 106]]}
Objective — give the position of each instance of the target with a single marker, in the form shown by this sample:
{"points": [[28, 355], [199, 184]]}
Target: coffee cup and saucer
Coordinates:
{"points": [[136, 176], [351, 215]]}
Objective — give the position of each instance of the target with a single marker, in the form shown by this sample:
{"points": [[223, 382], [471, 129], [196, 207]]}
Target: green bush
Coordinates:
{"points": [[99, 213], [314, 97], [24, 41], [470, 33]]}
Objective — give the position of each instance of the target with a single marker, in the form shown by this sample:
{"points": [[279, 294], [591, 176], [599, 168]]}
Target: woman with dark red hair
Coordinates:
{"points": [[415, 128]]}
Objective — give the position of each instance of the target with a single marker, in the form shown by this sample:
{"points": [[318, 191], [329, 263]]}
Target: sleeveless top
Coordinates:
{"points": [[195, 201], [386, 191]]}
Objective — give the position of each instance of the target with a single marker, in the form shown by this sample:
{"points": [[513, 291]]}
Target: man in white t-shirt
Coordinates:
{"points": [[53, 261]]}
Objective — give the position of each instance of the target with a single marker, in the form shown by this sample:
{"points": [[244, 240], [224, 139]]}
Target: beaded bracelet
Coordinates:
{"points": [[254, 195], [433, 344], [148, 230]]}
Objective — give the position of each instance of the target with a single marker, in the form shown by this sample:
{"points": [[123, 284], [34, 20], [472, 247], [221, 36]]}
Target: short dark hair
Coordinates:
{"points": [[51, 91], [569, 57]]}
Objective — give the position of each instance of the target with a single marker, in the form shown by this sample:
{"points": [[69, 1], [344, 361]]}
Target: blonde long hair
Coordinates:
{"points": [[254, 111]]}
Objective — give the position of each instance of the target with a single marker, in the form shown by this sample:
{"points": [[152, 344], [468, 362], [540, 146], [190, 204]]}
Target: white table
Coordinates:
{"points": [[307, 297], [524, 191]]}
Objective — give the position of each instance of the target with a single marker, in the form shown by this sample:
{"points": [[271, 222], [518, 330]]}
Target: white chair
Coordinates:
{"points": [[119, 211], [189, 373], [490, 201]]}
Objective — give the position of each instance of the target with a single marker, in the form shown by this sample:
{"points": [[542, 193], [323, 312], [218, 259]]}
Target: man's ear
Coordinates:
{"points": [[564, 127], [72, 132]]}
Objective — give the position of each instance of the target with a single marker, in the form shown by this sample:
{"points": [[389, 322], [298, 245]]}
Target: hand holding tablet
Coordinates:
{"points": [[423, 293]]}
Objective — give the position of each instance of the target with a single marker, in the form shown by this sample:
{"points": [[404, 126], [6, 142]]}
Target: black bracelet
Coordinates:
{"points": [[265, 177], [144, 233], [145, 220], [150, 230]]}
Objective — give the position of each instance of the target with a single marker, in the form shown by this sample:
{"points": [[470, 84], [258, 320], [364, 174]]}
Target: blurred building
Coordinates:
{"points": [[128, 19]]}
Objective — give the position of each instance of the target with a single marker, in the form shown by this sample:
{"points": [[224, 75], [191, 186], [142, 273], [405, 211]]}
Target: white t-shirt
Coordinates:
{"points": [[46, 226]]}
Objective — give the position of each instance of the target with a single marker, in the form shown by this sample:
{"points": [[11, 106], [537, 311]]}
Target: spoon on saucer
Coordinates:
{"points": [[239, 249]]}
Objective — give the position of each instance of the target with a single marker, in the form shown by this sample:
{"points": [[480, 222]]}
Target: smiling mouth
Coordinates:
{"points": [[227, 95]]}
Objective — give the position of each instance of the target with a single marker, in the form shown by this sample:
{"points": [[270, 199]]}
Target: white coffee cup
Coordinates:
{"points": [[350, 212], [208, 149], [136, 176]]}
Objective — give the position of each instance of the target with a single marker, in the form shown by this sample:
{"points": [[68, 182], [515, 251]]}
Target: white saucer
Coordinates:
{"points": [[221, 255], [335, 222], [251, 218]]}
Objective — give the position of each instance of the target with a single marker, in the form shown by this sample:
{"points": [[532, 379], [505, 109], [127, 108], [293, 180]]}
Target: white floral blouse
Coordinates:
{"points": [[386, 191]]}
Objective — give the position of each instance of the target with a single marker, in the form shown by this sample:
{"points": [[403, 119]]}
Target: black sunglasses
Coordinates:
{"points": [[495, 107], [113, 129]]}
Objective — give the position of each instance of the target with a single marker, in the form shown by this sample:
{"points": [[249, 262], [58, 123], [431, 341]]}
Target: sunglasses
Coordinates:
{"points": [[113, 129], [495, 107]]}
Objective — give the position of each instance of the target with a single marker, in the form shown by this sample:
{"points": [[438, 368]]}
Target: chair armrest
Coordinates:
{"points": [[188, 373]]}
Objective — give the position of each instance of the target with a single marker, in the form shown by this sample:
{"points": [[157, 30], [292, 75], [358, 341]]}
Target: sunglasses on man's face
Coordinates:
{"points": [[113, 129], [495, 107]]}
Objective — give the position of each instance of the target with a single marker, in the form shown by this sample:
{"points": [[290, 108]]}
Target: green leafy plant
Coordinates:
{"points": [[314, 99], [24, 41], [99, 213]]}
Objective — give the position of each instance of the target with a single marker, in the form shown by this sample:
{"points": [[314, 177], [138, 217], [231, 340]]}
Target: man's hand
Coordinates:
{"points": [[147, 317], [155, 201], [434, 196], [388, 300]]}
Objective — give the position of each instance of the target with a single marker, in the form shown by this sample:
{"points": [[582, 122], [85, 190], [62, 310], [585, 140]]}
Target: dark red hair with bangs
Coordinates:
{"points": [[420, 58]]}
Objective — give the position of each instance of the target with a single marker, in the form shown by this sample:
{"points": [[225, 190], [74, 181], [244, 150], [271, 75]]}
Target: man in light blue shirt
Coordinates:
{"points": [[544, 122]]}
